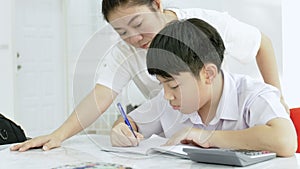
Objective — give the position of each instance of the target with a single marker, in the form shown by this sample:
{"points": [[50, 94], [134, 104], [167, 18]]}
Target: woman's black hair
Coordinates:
{"points": [[110, 5]]}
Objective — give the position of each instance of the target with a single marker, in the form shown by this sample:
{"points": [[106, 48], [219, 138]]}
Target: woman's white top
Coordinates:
{"points": [[123, 62]]}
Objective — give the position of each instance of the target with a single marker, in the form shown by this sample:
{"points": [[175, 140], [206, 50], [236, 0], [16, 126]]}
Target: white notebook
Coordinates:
{"points": [[149, 146]]}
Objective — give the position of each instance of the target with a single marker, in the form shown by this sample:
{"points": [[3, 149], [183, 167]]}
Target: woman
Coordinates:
{"points": [[137, 22]]}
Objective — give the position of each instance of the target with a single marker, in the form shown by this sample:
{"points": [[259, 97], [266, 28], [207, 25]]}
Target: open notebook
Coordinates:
{"points": [[153, 145], [149, 146]]}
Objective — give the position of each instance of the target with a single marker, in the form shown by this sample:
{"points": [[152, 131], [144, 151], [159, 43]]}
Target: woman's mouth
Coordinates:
{"points": [[145, 46]]}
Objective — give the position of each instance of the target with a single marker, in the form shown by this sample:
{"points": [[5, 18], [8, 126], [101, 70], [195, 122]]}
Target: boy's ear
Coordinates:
{"points": [[211, 72], [157, 5]]}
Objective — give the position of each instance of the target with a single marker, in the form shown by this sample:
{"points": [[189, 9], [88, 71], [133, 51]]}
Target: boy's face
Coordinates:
{"points": [[185, 92]]}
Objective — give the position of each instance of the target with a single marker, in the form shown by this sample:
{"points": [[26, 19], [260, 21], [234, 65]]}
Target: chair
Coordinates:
{"points": [[295, 116]]}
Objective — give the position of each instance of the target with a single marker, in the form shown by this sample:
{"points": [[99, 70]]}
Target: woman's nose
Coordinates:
{"points": [[134, 39]]}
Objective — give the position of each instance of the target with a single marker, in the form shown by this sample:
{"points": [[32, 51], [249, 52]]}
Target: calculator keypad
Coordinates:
{"points": [[251, 152]]}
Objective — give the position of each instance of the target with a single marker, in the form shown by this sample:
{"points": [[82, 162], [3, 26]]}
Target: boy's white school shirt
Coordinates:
{"points": [[244, 103], [123, 62]]}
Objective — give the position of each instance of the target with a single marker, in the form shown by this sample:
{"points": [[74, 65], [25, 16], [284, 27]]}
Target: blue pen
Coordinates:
{"points": [[125, 118]]}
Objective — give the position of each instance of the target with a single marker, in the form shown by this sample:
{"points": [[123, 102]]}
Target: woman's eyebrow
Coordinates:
{"points": [[130, 21], [133, 18]]}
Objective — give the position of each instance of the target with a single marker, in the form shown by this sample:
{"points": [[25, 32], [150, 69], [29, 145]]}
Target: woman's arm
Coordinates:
{"points": [[88, 110], [266, 62]]}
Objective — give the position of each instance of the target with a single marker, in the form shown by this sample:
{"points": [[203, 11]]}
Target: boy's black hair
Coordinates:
{"points": [[184, 46], [110, 5]]}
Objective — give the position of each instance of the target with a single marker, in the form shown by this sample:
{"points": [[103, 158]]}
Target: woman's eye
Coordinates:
{"points": [[122, 33], [138, 25]]}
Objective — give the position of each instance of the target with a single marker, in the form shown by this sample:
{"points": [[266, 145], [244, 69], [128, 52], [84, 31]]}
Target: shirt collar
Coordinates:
{"points": [[193, 117]]}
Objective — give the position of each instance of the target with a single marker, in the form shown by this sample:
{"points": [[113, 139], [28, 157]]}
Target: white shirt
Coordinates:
{"points": [[244, 103], [124, 62]]}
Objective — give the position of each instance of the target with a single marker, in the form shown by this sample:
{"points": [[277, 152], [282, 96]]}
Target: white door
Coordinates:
{"points": [[40, 85], [6, 61]]}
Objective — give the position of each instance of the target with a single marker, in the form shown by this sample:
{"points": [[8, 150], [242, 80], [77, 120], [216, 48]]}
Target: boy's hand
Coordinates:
{"points": [[46, 142], [121, 136], [193, 136]]}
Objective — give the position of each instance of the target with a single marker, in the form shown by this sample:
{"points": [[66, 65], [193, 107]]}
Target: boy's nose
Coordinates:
{"points": [[168, 95]]}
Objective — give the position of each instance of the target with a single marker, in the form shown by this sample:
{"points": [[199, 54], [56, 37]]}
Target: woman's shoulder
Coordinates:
{"points": [[121, 52], [201, 13], [121, 49]]}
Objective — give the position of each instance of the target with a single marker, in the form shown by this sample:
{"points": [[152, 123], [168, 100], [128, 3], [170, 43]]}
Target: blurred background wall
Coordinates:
{"points": [[50, 50]]}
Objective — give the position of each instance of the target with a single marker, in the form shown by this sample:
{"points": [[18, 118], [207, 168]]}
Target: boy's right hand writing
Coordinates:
{"points": [[121, 136], [46, 142]]}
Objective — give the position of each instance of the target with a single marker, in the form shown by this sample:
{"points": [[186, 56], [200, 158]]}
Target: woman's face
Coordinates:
{"points": [[137, 25]]}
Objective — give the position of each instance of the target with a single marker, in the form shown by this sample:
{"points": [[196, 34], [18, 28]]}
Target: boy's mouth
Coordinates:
{"points": [[175, 107]]}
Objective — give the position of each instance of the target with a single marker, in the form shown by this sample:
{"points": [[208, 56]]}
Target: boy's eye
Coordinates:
{"points": [[174, 87]]}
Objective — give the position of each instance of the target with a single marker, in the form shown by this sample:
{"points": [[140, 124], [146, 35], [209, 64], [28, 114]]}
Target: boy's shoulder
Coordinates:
{"points": [[245, 86]]}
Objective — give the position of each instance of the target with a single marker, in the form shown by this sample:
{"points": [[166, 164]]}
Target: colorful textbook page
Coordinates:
{"points": [[92, 165]]}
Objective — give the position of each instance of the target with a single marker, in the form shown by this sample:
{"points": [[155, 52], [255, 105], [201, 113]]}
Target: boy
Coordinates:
{"points": [[204, 105]]}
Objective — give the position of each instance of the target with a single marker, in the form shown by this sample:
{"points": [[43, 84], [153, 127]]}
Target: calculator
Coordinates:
{"points": [[228, 157]]}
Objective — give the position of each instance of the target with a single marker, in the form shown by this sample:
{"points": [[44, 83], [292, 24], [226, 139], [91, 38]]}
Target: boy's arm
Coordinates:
{"points": [[278, 136], [269, 128], [266, 62]]}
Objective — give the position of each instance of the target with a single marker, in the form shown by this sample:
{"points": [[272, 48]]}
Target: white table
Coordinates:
{"points": [[84, 148]]}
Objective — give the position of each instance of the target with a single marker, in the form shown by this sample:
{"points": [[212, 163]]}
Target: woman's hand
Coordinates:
{"points": [[45, 142]]}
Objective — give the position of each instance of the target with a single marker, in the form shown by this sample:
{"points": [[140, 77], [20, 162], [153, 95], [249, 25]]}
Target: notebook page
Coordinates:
{"points": [[176, 150], [143, 147]]}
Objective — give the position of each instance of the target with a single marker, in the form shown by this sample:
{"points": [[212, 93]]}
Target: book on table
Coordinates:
{"points": [[151, 145], [154, 145]]}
